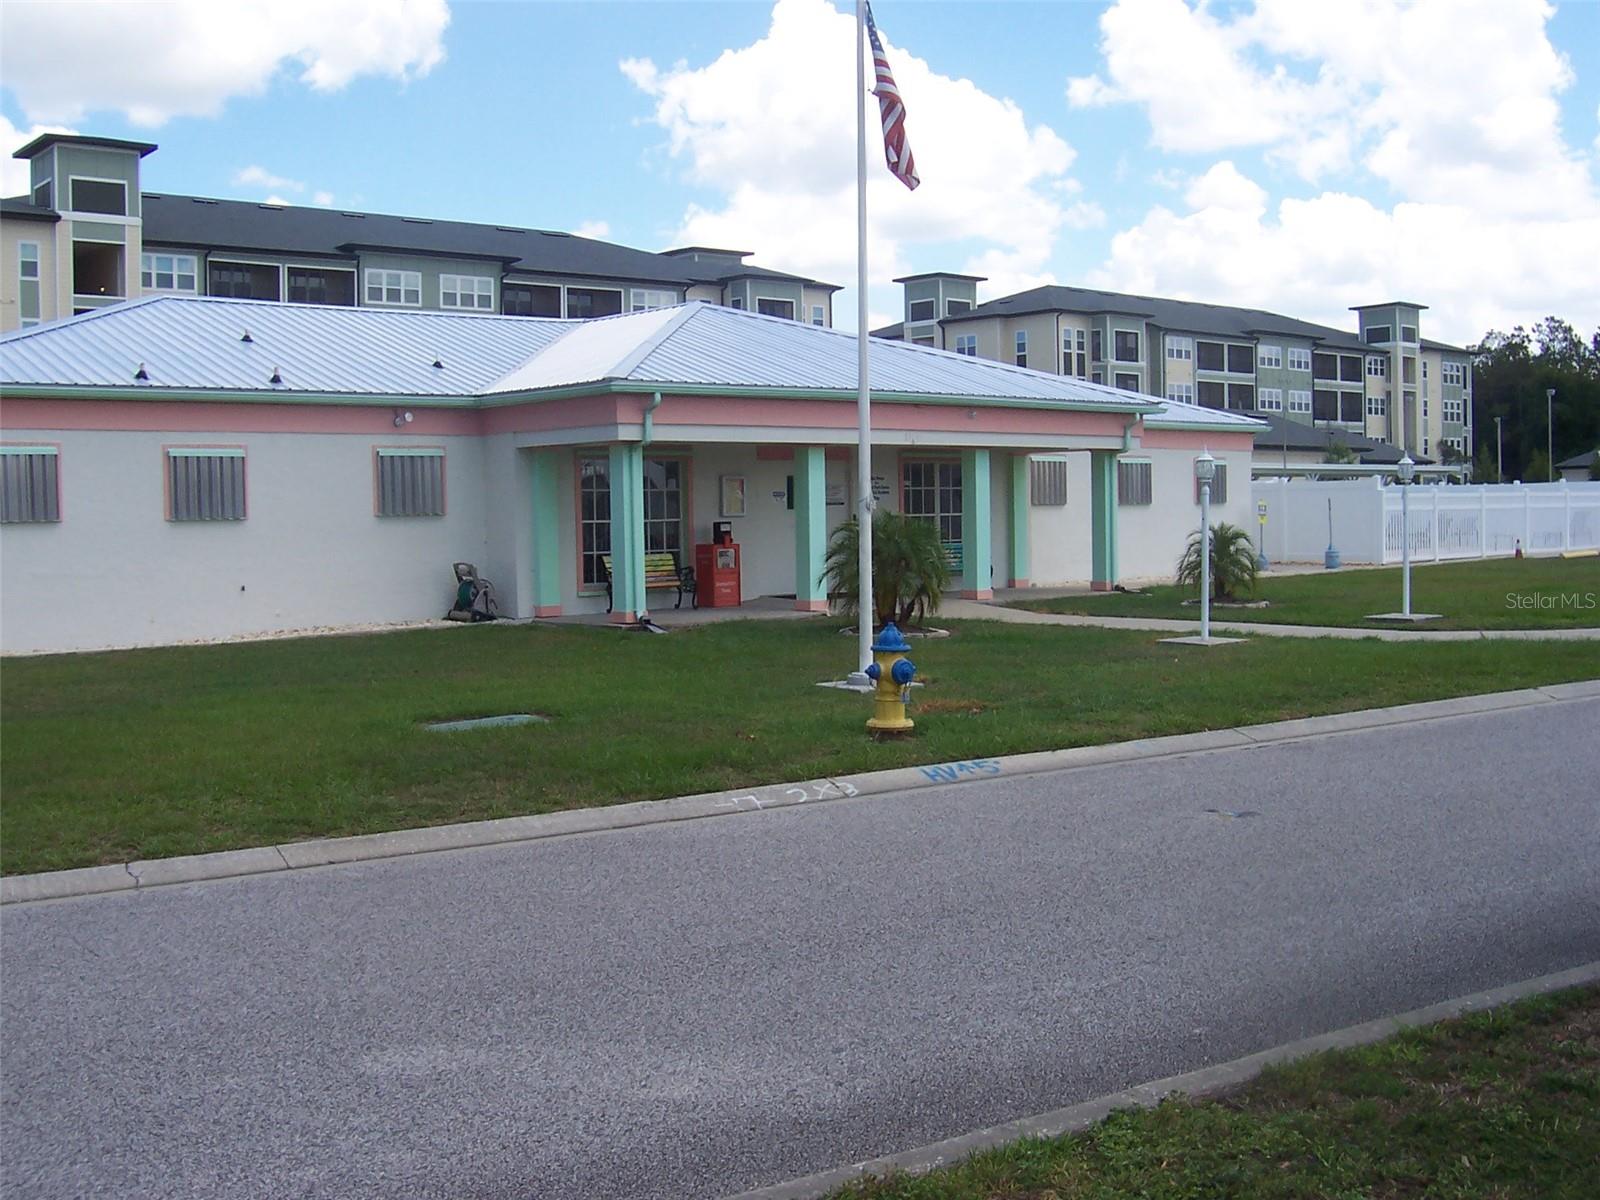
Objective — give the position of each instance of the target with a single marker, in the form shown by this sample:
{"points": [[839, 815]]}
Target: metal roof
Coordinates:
{"points": [[46, 140], [21, 207], [187, 343], [242, 225]]}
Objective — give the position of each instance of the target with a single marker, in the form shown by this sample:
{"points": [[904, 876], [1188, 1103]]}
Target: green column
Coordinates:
{"points": [[547, 533], [810, 528], [1021, 482], [1103, 492], [626, 468], [976, 548]]}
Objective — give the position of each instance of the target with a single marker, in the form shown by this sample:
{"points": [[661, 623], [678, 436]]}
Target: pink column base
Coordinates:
{"points": [[1100, 585], [811, 606], [977, 594], [1020, 583], [547, 610], [623, 618]]}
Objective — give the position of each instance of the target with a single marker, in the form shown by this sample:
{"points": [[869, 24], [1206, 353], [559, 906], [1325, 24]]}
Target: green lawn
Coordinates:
{"points": [[1503, 593], [1503, 1104], [148, 753]]}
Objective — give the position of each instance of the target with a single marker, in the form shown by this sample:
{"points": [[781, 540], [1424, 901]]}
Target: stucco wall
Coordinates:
{"points": [[115, 572]]}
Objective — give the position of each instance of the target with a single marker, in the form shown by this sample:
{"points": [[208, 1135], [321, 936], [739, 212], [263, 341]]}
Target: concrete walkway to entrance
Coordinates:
{"points": [[974, 610], [757, 608]]}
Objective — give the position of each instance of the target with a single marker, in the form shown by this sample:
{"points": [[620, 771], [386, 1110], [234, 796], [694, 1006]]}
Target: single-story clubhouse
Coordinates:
{"points": [[178, 468]]}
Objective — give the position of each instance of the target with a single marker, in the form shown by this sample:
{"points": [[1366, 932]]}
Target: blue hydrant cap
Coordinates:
{"points": [[902, 671], [891, 640], [873, 671]]}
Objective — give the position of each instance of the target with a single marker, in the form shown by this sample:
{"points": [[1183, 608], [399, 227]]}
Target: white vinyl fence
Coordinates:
{"points": [[1480, 520]]}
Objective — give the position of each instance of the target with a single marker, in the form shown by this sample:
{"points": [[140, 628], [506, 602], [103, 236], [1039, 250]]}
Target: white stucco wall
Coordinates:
{"points": [[115, 572]]}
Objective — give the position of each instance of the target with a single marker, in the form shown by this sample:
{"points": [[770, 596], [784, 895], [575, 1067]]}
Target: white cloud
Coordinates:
{"points": [[599, 230], [153, 62], [779, 146], [322, 199], [1451, 106], [254, 176], [14, 172]]}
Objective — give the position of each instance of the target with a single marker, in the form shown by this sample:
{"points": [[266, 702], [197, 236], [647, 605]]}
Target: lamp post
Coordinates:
{"points": [[1205, 469], [1406, 470], [1550, 432]]}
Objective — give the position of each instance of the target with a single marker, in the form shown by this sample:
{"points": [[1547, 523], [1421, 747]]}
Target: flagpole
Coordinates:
{"points": [[864, 592]]}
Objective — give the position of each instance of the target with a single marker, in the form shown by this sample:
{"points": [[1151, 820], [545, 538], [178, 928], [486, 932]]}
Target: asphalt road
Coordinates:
{"points": [[691, 1010]]}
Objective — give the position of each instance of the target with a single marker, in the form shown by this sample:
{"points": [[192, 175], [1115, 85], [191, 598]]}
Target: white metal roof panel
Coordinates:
{"points": [[1177, 414]]}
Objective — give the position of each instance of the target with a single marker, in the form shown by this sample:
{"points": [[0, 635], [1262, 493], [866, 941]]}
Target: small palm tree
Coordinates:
{"points": [[1233, 563], [909, 570]]}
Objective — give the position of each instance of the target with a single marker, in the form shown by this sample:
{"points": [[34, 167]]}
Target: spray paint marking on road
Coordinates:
{"points": [[800, 793], [971, 768]]}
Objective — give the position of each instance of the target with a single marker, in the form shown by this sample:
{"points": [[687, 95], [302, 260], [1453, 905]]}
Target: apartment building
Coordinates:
{"points": [[87, 236], [1215, 355]]}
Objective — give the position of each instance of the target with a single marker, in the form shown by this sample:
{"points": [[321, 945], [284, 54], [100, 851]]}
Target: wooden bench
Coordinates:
{"points": [[661, 571]]}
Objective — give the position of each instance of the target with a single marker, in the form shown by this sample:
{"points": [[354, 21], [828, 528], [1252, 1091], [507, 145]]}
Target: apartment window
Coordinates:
{"points": [[736, 302], [29, 297], [97, 269], [1210, 356], [664, 507], [474, 292], [1325, 366], [932, 490], [1083, 358], [1183, 393], [1242, 397], [1325, 405], [1424, 445], [1270, 400], [1270, 356], [205, 483], [1133, 482], [1453, 373], [923, 310], [44, 194], [819, 315], [242, 281], [1377, 367], [1219, 485], [1022, 347], [108, 196], [394, 287], [1378, 335], [1349, 368], [1212, 394], [1350, 407], [1097, 350], [1408, 333], [1126, 346], [1424, 404], [967, 343], [955, 308], [168, 272], [1047, 482], [1241, 360], [1299, 402], [664, 511], [312, 285], [1452, 409], [1128, 383], [600, 302], [1299, 358], [922, 339], [644, 299], [411, 482], [29, 485], [594, 520], [1408, 370], [769, 307], [530, 300], [1180, 348], [1377, 406]]}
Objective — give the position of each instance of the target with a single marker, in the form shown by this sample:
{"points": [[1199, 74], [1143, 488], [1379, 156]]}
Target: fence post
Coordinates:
{"points": [[1382, 494], [1483, 520], [1435, 489], [1527, 519], [1566, 516]]}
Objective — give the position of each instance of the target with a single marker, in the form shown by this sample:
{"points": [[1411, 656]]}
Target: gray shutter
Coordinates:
{"points": [[1048, 481], [206, 487], [28, 489], [410, 485]]}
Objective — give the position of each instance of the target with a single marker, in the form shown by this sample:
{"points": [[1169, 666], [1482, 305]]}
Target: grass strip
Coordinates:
{"points": [[1506, 593], [1503, 1104], [150, 753]]}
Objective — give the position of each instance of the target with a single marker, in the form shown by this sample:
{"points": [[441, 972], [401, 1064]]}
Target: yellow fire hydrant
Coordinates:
{"points": [[892, 671]]}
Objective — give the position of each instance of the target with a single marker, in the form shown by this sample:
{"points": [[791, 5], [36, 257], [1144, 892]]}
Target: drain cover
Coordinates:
{"points": [[486, 722], [1232, 814]]}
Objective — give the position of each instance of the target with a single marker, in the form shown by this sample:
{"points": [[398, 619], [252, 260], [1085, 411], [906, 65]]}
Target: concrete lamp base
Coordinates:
{"points": [[1197, 640], [1404, 618]]}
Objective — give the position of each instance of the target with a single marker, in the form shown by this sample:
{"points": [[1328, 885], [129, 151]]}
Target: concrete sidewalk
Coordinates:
{"points": [[976, 610]]}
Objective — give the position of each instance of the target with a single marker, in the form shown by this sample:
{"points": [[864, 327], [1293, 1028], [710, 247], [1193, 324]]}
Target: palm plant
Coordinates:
{"points": [[909, 570], [1233, 563]]}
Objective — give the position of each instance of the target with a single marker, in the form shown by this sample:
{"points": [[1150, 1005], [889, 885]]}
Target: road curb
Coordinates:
{"points": [[321, 852], [1205, 1081]]}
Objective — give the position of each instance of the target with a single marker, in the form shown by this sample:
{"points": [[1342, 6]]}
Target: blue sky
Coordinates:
{"points": [[1240, 153]]}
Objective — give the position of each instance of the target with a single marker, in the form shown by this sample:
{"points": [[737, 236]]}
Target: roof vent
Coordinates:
{"points": [[416, 220], [201, 200], [357, 216], [277, 376], [554, 233], [247, 339], [509, 229], [141, 374], [271, 207], [438, 363]]}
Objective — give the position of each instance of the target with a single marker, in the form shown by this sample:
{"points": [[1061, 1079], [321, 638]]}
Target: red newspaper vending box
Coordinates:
{"points": [[716, 575]]}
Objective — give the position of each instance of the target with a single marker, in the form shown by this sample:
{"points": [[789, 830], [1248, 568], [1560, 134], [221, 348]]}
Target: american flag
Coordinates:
{"points": [[895, 149]]}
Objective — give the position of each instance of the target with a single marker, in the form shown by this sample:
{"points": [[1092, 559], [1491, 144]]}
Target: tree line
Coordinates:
{"points": [[1511, 373]]}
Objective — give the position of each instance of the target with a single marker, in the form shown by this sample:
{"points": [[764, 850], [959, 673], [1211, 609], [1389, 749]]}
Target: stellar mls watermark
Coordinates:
{"points": [[1551, 601]]}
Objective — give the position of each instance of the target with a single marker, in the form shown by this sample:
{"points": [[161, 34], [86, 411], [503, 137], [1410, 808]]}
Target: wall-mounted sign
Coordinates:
{"points": [[732, 496]]}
